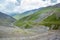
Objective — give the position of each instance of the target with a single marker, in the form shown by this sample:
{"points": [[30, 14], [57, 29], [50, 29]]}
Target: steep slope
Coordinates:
{"points": [[5, 20], [53, 21]]}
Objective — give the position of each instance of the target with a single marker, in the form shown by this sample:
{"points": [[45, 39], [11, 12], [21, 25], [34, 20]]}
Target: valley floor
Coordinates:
{"points": [[36, 33]]}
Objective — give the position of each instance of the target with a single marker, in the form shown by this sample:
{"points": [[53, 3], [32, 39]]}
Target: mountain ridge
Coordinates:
{"points": [[6, 20]]}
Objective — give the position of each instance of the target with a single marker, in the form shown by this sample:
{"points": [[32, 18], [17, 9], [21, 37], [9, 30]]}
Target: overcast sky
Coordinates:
{"points": [[10, 6]]}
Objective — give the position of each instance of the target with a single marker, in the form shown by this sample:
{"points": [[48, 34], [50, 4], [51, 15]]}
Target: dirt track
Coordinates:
{"points": [[5, 34]]}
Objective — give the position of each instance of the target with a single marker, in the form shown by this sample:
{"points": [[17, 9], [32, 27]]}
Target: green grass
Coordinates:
{"points": [[52, 20]]}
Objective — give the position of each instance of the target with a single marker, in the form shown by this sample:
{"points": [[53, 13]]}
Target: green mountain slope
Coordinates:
{"points": [[28, 21], [53, 21], [35, 18]]}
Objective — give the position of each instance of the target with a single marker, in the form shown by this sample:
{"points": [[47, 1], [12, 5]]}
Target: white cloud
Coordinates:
{"points": [[33, 4], [15, 6]]}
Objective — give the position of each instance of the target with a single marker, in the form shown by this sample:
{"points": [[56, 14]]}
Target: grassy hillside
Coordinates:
{"points": [[52, 20], [28, 21]]}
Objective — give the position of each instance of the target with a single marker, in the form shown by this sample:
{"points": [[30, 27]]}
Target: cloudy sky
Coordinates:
{"points": [[10, 6]]}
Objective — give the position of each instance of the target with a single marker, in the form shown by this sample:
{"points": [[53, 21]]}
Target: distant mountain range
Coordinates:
{"points": [[6, 20], [18, 16]]}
